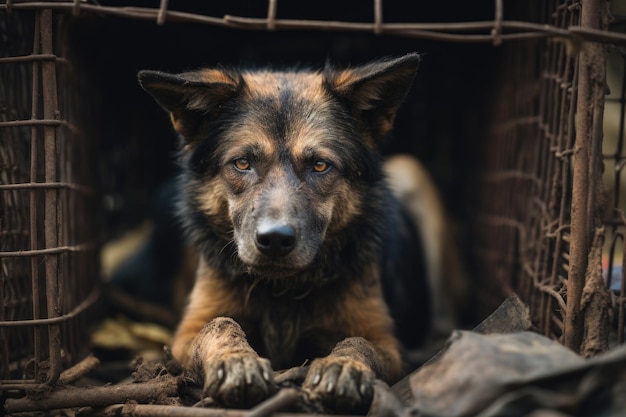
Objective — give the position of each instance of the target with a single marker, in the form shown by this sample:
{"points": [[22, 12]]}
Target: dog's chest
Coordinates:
{"points": [[290, 331]]}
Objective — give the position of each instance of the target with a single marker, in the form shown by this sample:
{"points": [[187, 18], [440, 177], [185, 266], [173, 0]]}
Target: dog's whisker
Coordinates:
{"points": [[281, 292], [253, 285], [304, 294], [226, 245]]}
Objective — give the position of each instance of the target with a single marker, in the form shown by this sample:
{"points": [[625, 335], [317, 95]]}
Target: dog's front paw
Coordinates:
{"points": [[239, 379], [343, 384]]}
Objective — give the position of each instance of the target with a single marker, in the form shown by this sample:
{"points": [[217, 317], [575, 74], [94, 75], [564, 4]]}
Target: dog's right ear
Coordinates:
{"points": [[374, 91], [193, 98]]}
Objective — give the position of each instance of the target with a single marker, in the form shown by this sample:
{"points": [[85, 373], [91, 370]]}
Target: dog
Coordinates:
{"points": [[305, 253]]}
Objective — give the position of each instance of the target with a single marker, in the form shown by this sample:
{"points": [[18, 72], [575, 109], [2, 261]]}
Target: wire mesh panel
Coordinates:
{"points": [[543, 190], [47, 267]]}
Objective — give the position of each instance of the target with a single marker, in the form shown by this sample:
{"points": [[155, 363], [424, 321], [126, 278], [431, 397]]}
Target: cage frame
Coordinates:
{"points": [[588, 121], [46, 125]]}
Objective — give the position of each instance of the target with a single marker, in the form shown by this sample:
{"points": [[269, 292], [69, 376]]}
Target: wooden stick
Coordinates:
{"points": [[67, 397]]}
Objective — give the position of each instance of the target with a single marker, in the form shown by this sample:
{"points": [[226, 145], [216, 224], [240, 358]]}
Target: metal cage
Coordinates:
{"points": [[48, 272], [538, 224], [543, 194]]}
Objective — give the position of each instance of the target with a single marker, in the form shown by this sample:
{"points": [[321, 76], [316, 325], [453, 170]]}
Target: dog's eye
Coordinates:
{"points": [[242, 164], [320, 166]]}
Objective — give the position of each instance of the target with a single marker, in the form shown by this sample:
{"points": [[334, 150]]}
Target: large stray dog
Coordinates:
{"points": [[304, 251]]}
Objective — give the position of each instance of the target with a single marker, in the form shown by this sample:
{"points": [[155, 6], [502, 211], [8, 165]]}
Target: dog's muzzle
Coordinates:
{"points": [[275, 239]]}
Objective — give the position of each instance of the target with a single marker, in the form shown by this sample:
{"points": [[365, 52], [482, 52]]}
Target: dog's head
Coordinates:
{"points": [[279, 162]]}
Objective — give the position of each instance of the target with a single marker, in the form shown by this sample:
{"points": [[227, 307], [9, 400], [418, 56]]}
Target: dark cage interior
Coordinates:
{"points": [[510, 113]]}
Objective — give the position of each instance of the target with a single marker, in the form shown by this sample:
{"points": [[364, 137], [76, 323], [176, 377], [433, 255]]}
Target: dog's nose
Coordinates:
{"points": [[276, 240]]}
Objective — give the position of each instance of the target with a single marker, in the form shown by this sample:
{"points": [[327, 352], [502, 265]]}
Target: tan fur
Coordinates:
{"points": [[213, 75], [210, 298], [411, 183]]}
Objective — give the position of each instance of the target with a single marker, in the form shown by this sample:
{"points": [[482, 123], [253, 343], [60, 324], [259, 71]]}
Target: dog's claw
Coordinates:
{"points": [[343, 384], [316, 379], [241, 379], [330, 386], [266, 376]]}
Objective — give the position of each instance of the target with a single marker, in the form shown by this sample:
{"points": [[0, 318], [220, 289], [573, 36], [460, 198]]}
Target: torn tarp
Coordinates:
{"points": [[517, 374]]}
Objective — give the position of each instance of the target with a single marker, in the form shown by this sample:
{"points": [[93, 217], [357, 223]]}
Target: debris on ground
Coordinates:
{"points": [[516, 374], [498, 369]]}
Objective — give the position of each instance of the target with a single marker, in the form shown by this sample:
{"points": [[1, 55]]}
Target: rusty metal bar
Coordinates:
{"points": [[48, 251], [94, 396], [162, 12], [84, 305], [50, 111], [496, 32], [589, 110], [30, 58], [434, 31], [34, 163], [271, 14], [378, 16], [34, 122], [45, 185]]}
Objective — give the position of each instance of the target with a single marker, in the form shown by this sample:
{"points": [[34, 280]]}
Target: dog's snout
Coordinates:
{"points": [[275, 240]]}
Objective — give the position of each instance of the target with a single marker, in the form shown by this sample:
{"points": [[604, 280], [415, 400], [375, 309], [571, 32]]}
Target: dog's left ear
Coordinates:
{"points": [[374, 91]]}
